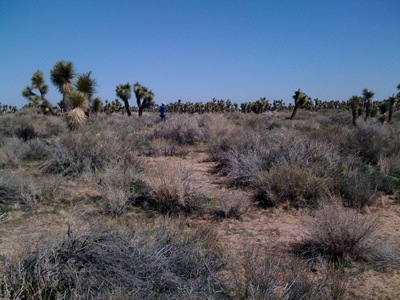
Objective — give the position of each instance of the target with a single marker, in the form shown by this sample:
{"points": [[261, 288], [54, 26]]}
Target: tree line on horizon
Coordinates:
{"points": [[78, 100]]}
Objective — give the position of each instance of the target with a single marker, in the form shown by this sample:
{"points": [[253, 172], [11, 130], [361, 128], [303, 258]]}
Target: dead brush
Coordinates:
{"points": [[233, 208], [342, 236], [117, 188], [168, 263]]}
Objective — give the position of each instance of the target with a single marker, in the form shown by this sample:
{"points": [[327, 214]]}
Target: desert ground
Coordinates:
{"points": [[202, 206]]}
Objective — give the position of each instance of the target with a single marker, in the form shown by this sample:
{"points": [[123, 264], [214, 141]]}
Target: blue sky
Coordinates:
{"points": [[197, 50]]}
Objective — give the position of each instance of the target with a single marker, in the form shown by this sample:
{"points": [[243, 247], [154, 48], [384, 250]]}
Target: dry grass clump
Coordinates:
{"points": [[272, 278], [296, 185], [166, 147], [171, 189], [182, 129], [342, 236], [169, 263]]}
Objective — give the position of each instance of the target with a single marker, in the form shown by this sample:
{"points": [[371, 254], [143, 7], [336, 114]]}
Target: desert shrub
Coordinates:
{"points": [[222, 136], [358, 185], [370, 141], [281, 147], [118, 187], [53, 126], [26, 132], [271, 278], [342, 236], [34, 149], [28, 124], [296, 185], [89, 149], [9, 185], [9, 157], [171, 189], [389, 169], [182, 129], [168, 263], [27, 190]]}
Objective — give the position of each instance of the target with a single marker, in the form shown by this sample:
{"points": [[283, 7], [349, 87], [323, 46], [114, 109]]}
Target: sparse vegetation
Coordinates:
{"points": [[206, 171]]}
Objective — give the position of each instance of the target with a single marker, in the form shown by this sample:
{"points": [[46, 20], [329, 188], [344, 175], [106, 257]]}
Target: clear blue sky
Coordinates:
{"points": [[195, 50]]}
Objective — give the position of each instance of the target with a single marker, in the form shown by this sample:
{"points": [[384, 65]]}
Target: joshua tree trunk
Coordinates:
{"points": [[354, 112], [128, 110], [390, 114], [294, 112], [367, 109], [141, 108]]}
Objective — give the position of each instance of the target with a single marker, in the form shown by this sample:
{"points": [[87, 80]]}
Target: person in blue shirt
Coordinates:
{"points": [[163, 111]]}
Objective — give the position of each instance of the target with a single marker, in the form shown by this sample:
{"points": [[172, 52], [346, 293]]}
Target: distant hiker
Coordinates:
{"points": [[163, 111]]}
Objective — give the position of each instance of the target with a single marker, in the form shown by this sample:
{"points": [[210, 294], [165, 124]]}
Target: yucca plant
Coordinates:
{"points": [[77, 103]]}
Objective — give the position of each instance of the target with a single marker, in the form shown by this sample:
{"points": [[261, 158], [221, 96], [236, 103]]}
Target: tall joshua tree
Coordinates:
{"points": [[355, 102], [144, 97], [38, 82], [62, 75], [300, 100], [367, 97], [124, 91], [391, 103]]}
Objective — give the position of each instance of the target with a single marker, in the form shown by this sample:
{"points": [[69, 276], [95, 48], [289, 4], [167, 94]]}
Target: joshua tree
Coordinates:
{"points": [[38, 82], [62, 75], [86, 84], [97, 105], [355, 102], [300, 100], [144, 97], [367, 97], [124, 91]]}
